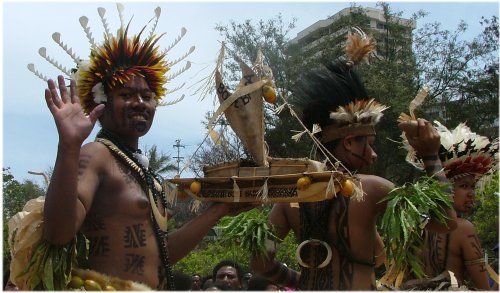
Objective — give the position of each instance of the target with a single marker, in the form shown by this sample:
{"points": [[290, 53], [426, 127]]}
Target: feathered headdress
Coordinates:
{"points": [[117, 60], [462, 152], [335, 99]]}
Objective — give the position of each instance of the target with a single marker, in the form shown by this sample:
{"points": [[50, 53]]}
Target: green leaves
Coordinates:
{"points": [[408, 209], [250, 230], [485, 215], [50, 265]]}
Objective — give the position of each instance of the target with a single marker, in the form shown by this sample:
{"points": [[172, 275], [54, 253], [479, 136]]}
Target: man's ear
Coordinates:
{"points": [[347, 142]]}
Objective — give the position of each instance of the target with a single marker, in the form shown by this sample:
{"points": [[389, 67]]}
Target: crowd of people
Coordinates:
{"points": [[105, 190]]}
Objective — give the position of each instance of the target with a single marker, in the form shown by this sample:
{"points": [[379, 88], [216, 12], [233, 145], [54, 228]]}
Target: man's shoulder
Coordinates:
{"points": [[375, 187], [464, 231], [94, 151], [375, 180], [465, 226], [94, 146]]}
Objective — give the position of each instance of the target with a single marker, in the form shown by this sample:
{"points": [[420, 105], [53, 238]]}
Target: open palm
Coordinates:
{"points": [[72, 124]]}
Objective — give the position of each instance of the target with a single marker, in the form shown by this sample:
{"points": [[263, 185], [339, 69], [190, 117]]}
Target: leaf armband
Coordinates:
{"points": [[409, 208], [250, 230]]}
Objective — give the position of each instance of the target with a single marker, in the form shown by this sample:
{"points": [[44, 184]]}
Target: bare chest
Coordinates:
{"points": [[122, 192], [118, 226]]}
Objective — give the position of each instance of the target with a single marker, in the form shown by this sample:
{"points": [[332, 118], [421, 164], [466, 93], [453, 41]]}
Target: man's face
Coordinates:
{"points": [[195, 283], [361, 153], [246, 279], [229, 275], [130, 109], [464, 193]]}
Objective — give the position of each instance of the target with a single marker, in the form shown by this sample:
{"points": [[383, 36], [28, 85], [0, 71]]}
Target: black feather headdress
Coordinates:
{"points": [[334, 96]]}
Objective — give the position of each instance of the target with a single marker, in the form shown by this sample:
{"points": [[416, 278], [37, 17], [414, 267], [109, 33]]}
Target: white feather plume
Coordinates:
{"points": [[359, 112], [43, 52], [84, 21], [176, 41], [156, 18], [102, 12], [57, 38], [418, 100]]}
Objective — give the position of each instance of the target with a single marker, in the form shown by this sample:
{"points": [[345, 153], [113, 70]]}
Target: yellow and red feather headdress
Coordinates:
{"points": [[462, 153], [116, 60]]}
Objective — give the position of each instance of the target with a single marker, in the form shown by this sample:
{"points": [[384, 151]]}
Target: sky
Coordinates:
{"points": [[29, 136]]}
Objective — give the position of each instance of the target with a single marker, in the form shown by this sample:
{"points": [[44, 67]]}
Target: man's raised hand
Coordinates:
{"points": [[72, 124]]}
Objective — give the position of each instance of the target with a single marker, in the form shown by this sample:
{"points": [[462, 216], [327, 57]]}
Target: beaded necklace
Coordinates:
{"points": [[149, 178]]}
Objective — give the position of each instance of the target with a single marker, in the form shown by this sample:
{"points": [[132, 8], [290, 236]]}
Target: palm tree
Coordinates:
{"points": [[158, 161]]}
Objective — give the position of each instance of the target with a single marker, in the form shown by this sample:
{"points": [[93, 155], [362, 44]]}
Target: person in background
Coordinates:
{"points": [[182, 281], [195, 282], [468, 161], [246, 278], [230, 272], [206, 281]]}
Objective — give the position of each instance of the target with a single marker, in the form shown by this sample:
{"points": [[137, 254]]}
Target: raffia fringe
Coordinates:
{"points": [[263, 192], [236, 191]]}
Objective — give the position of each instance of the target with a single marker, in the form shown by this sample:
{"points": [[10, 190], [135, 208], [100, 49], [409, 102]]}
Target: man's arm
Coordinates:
{"points": [[62, 207], [185, 239], [473, 257], [433, 167], [63, 212], [379, 250], [427, 145], [270, 268]]}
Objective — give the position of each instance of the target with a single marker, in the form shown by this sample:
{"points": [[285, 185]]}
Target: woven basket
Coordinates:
{"points": [[277, 166], [229, 182]]}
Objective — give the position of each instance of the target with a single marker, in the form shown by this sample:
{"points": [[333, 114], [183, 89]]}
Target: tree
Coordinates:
{"points": [[15, 194], [485, 214], [462, 74], [477, 92], [203, 260], [158, 161]]}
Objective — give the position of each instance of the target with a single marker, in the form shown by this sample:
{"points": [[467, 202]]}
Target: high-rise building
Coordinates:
{"points": [[330, 28]]}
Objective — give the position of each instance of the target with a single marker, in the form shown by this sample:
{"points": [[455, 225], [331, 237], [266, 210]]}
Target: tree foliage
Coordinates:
{"points": [[391, 81], [203, 260], [462, 74], [485, 214], [159, 162], [16, 194]]}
